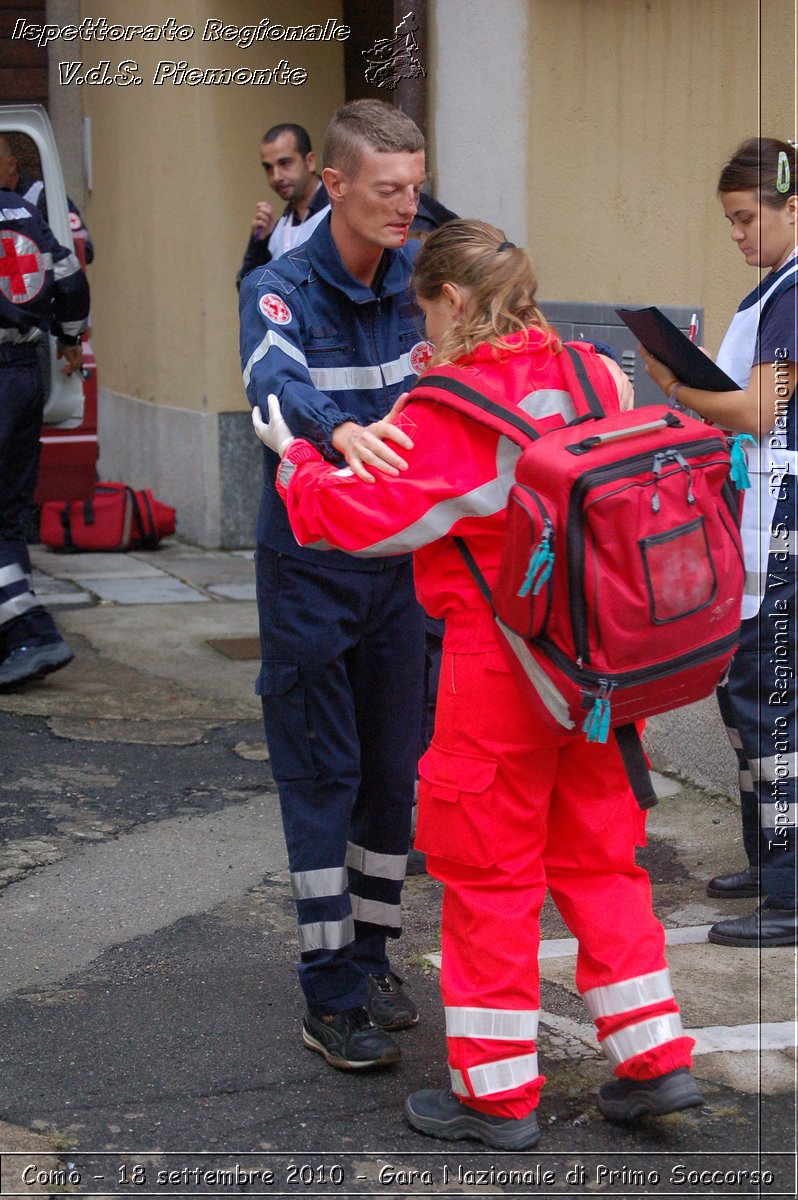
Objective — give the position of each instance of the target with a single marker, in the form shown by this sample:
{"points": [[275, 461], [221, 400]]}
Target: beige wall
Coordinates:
{"points": [[634, 109], [176, 177]]}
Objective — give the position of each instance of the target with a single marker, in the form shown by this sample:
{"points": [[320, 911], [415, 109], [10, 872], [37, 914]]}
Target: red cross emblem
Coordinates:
{"points": [[22, 269], [420, 355], [275, 308]]}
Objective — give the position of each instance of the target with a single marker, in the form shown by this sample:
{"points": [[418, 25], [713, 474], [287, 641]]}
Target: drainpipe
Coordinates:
{"points": [[411, 94]]}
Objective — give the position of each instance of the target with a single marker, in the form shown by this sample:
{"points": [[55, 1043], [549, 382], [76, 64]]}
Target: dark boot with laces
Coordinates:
{"points": [[349, 1040], [627, 1099], [389, 1005], [439, 1113]]}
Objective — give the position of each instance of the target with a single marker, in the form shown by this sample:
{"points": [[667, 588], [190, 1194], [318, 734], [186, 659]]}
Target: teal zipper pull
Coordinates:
{"points": [[596, 725], [739, 467], [540, 566]]}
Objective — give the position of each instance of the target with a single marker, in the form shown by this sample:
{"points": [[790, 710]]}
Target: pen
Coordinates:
{"points": [[693, 327]]}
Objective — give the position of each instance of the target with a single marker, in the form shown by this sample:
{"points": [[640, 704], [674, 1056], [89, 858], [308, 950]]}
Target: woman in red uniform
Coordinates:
{"points": [[505, 807]]}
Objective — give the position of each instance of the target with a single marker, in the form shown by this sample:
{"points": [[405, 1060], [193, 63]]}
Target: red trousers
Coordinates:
{"points": [[507, 809]]}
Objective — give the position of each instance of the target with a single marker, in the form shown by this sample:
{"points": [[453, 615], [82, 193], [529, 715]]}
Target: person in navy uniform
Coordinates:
{"points": [[331, 328], [42, 289], [32, 190], [758, 191]]}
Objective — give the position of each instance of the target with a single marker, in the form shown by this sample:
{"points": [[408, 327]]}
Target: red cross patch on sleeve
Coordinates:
{"points": [[22, 267], [275, 309]]}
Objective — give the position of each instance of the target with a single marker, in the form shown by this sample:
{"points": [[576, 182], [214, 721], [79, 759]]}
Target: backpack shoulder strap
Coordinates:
{"points": [[446, 386], [577, 366]]}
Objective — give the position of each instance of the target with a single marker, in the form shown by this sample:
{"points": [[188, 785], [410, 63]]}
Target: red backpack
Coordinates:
{"points": [[621, 579]]}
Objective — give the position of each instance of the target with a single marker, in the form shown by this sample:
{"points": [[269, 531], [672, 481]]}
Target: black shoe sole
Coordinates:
{"points": [[388, 1059], [464, 1126]]}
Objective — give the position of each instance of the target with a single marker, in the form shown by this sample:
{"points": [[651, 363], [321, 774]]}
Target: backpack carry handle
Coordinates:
{"points": [[599, 439]]}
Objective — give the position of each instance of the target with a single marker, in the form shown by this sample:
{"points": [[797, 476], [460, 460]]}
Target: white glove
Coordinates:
{"points": [[276, 435]]}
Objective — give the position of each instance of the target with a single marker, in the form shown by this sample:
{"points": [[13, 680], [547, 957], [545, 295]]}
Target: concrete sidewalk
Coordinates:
{"points": [[147, 989]]}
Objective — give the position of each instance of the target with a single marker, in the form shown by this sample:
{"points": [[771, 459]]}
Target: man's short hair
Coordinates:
{"points": [[372, 125], [301, 136]]}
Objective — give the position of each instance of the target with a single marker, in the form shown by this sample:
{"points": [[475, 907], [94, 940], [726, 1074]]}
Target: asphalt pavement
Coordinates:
{"points": [[149, 1010]]}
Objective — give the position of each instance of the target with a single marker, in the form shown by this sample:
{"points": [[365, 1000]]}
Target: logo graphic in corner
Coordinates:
{"points": [[275, 308], [22, 269], [392, 59], [420, 355]]}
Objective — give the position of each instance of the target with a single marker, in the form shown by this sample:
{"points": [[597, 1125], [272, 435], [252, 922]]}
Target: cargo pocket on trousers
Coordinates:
{"points": [[454, 802], [285, 719]]}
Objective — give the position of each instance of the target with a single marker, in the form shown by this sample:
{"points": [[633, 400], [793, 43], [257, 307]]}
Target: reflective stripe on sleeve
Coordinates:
{"points": [[645, 1035], [489, 1079], [376, 912], [326, 935], [280, 343], [497, 1024], [356, 379], [381, 866], [621, 997], [66, 266], [329, 881]]}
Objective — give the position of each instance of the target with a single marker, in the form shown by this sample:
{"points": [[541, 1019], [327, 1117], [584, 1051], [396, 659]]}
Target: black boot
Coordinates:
{"points": [[766, 926]]}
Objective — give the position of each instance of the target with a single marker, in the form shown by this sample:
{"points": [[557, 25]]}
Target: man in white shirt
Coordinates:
{"points": [[290, 166]]}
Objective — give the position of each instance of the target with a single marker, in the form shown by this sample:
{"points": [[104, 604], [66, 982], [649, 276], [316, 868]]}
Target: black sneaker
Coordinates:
{"points": [[389, 1005], [349, 1040], [27, 663], [439, 1113], [626, 1099]]}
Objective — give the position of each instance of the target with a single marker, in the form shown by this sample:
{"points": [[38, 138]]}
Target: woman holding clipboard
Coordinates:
{"points": [[758, 190]]}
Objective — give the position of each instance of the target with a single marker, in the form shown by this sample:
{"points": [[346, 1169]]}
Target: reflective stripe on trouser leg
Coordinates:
{"points": [[623, 1034], [762, 700], [375, 886], [605, 899], [494, 1078], [16, 593], [503, 1073], [317, 637]]}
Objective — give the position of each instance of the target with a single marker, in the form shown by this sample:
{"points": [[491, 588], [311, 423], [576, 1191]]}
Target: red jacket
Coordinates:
{"points": [[458, 477]]}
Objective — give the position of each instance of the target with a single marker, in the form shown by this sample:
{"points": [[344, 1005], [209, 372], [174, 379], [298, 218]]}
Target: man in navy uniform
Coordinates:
{"points": [[42, 288], [332, 330]]}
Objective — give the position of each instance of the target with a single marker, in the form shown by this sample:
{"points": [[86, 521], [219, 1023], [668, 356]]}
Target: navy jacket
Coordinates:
{"points": [[42, 286], [332, 350]]}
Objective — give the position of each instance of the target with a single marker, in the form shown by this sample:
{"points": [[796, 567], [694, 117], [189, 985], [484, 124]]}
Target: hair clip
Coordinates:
{"points": [[505, 246], [783, 173]]}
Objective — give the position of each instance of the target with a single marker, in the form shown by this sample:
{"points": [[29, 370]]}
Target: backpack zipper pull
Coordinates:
{"points": [[739, 467], [541, 563], [596, 725]]}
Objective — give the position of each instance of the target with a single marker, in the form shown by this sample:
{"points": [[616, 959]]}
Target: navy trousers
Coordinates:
{"points": [[759, 706], [341, 684], [21, 404]]}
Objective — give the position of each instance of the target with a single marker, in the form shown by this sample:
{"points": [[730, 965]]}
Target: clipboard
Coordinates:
{"points": [[667, 343]]}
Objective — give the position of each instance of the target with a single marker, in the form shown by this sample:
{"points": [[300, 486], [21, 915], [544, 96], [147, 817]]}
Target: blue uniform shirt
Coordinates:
{"points": [[332, 350]]}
